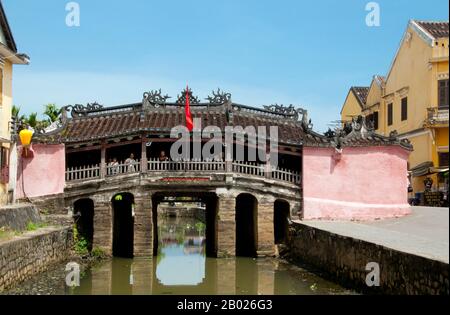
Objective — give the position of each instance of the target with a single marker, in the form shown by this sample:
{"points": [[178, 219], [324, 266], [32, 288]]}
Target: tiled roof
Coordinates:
{"points": [[93, 123], [108, 123], [435, 29], [361, 93]]}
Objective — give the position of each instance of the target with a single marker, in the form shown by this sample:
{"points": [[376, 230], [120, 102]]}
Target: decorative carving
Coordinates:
{"points": [[284, 110], [336, 138], [155, 98], [219, 97], [330, 133], [306, 123], [393, 135], [81, 110], [193, 100]]}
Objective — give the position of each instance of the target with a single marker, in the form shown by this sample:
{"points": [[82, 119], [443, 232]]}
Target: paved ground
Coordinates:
{"points": [[424, 233]]}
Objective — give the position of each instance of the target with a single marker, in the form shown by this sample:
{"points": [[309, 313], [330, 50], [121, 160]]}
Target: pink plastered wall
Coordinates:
{"points": [[363, 183], [43, 174]]}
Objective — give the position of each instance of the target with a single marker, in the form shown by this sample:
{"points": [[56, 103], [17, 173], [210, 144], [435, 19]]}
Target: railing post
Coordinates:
{"points": [[103, 162], [268, 166], [228, 170]]}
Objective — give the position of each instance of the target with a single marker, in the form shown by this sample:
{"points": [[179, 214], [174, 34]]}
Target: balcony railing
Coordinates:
{"points": [[74, 174], [437, 115]]}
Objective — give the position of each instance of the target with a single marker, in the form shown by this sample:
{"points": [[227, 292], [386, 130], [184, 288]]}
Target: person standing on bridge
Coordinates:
{"points": [[130, 162], [162, 156]]}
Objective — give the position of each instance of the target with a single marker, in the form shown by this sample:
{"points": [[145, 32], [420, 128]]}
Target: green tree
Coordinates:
{"points": [[32, 120], [52, 112], [15, 113]]}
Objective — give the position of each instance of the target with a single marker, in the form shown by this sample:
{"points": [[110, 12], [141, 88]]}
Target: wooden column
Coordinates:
{"points": [[103, 161], [144, 154]]}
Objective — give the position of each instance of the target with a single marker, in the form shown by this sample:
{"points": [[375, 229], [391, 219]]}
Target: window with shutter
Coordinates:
{"points": [[443, 93], [443, 158], [375, 120], [390, 114], [404, 108]]}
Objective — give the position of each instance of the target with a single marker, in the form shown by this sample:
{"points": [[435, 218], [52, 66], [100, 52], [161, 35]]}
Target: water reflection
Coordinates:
{"points": [[181, 267], [181, 252]]}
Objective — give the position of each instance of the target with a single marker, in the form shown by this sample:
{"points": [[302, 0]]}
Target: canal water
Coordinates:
{"points": [[181, 267]]}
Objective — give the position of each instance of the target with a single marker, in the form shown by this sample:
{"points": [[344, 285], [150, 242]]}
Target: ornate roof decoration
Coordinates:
{"points": [[81, 110], [219, 97], [94, 122], [193, 100], [360, 132], [155, 98], [284, 110]]}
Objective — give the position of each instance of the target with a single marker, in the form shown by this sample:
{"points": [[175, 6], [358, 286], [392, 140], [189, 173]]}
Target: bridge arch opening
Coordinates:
{"points": [[246, 225], [123, 224], [83, 210], [281, 215], [204, 205]]}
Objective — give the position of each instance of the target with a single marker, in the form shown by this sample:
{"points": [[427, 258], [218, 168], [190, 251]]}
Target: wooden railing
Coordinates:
{"points": [[248, 168], [82, 172], [207, 167], [155, 165], [123, 168], [287, 176]]}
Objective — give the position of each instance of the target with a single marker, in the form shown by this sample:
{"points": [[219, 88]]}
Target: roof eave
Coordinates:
{"points": [[11, 56]]}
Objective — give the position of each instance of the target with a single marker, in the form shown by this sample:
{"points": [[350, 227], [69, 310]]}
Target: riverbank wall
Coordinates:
{"points": [[31, 253], [345, 260]]}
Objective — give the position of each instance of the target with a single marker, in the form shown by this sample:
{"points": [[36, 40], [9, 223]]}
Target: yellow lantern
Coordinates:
{"points": [[25, 136]]}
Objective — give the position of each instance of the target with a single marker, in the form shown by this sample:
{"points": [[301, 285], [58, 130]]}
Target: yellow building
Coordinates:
{"points": [[8, 57], [354, 103], [413, 100]]}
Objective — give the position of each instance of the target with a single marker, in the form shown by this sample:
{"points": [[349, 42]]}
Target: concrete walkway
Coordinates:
{"points": [[424, 233]]}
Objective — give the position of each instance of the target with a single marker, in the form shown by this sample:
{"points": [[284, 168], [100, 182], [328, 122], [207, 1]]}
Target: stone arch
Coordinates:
{"points": [[83, 213], [123, 224], [281, 215], [246, 225]]}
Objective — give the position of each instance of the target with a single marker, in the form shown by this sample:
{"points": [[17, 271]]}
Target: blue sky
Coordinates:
{"points": [[307, 53]]}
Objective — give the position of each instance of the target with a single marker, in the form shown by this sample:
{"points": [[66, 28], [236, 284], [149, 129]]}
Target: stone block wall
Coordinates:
{"points": [[16, 217], [344, 260], [226, 226], [266, 241], [53, 204], [23, 257]]}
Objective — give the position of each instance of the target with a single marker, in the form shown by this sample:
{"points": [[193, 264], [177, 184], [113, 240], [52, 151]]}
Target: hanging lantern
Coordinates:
{"points": [[118, 198], [25, 136]]}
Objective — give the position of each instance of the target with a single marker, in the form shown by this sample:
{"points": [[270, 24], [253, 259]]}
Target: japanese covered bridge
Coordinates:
{"points": [[81, 167]]}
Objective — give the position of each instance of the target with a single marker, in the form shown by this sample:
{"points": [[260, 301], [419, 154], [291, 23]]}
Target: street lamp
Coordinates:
{"points": [[25, 136]]}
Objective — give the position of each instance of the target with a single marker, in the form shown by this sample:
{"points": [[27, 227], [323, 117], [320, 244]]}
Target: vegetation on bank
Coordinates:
{"points": [[7, 233], [82, 247]]}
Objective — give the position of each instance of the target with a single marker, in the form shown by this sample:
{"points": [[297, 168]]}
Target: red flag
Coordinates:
{"points": [[189, 123]]}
